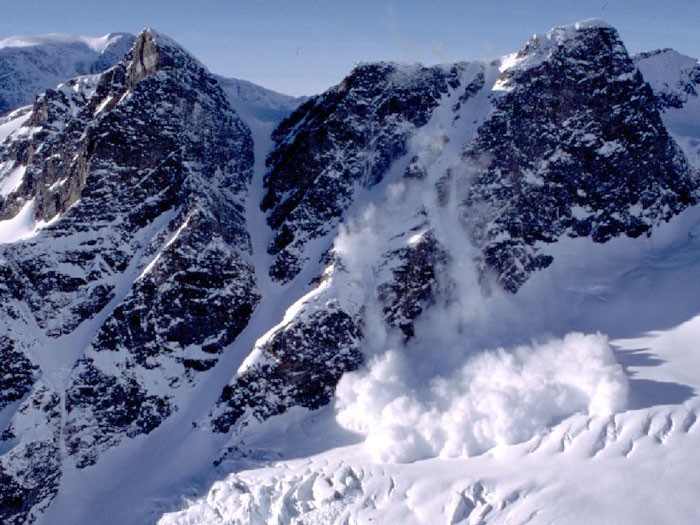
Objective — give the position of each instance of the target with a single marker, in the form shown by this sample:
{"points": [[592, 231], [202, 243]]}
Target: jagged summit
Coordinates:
{"points": [[589, 34], [142, 173], [154, 51]]}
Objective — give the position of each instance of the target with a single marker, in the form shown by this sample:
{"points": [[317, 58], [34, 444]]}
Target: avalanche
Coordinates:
{"points": [[455, 293]]}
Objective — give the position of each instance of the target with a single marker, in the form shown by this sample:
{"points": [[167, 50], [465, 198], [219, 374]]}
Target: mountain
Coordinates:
{"points": [[332, 309], [675, 79], [29, 65]]}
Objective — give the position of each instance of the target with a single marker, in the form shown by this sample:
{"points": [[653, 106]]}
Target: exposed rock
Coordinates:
{"points": [[575, 146], [17, 374], [415, 280], [339, 141], [146, 169], [301, 364]]}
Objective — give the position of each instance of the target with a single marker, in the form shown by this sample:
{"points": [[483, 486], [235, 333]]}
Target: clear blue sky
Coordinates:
{"points": [[304, 46]]}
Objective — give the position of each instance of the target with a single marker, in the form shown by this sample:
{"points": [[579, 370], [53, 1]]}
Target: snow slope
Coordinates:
{"points": [[675, 79], [499, 408], [632, 463]]}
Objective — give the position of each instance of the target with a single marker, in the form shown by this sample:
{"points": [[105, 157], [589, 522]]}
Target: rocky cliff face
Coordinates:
{"points": [[151, 274], [145, 274], [575, 146], [563, 138], [339, 142]]}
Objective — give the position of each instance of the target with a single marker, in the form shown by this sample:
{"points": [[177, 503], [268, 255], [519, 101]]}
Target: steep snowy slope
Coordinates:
{"points": [[636, 465], [31, 64], [675, 80], [514, 415], [481, 174]]}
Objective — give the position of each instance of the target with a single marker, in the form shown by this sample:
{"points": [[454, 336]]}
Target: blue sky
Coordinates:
{"points": [[304, 46]]}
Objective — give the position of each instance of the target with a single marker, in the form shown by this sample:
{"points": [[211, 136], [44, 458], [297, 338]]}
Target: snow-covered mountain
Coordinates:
{"points": [[390, 305], [29, 65]]}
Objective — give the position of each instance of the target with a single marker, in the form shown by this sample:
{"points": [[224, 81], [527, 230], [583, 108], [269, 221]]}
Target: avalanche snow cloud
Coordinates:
{"points": [[497, 397], [442, 392]]}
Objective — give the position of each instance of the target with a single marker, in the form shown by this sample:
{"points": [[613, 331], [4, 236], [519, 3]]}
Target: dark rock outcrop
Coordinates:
{"points": [[147, 168], [341, 141], [575, 146]]}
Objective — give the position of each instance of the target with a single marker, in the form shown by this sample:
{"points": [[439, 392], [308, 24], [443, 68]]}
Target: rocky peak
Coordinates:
{"points": [[145, 169], [145, 60], [153, 52], [64, 120], [579, 41], [576, 146]]}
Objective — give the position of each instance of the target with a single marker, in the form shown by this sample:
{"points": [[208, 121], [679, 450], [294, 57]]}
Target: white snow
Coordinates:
{"points": [[541, 45], [618, 463], [97, 44], [102, 105], [13, 122], [503, 408], [12, 180], [172, 239], [591, 23], [22, 226], [255, 104], [495, 398], [671, 73]]}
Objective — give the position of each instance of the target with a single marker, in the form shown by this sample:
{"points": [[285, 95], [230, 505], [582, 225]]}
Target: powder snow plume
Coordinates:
{"points": [[496, 397]]}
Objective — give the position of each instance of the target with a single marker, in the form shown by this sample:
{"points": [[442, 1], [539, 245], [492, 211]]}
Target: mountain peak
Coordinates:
{"points": [[154, 51], [188, 284], [146, 58], [583, 40]]}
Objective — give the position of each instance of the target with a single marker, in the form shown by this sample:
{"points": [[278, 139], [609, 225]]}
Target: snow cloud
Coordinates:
{"points": [[496, 397]]}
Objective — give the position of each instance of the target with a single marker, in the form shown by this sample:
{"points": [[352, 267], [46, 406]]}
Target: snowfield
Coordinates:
{"points": [[573, 401], [635, 466]]}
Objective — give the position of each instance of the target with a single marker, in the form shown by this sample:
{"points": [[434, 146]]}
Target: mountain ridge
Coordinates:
{"points": [[200, 269]]}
